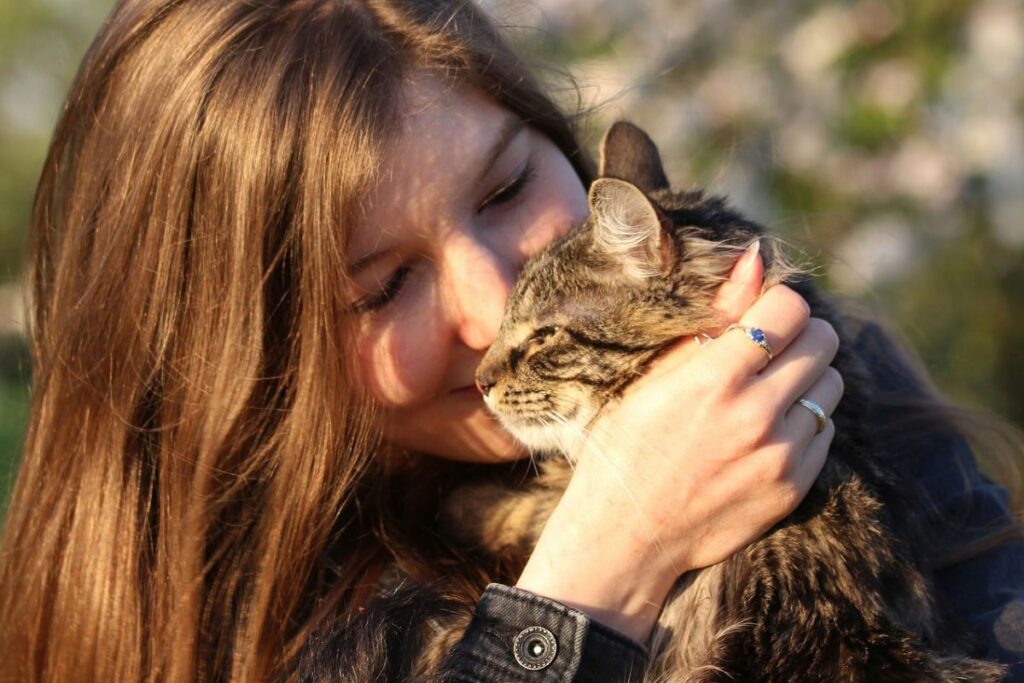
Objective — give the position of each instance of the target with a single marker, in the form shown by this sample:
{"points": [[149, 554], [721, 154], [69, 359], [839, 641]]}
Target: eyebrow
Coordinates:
{"points": [[510, 127]]}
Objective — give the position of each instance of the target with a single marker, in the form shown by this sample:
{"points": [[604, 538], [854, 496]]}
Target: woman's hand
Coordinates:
{"points": [[700, 457]]}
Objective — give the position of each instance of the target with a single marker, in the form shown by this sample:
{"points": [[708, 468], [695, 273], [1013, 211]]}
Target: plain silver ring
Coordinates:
{"points": [[819, 414]]}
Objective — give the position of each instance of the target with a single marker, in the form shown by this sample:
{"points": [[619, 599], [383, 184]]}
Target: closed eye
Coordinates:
{"points": [[541, 334], [510, 190], [387, 294]]}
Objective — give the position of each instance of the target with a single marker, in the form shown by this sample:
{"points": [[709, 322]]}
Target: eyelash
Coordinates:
{"points": [[394, 284], [386, 295], [509, 192]]}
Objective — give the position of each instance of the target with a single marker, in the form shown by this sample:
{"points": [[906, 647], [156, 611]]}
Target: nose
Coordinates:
{"points": [[478, 280]]}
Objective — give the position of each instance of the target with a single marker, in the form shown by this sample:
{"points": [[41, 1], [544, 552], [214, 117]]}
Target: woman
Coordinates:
{"points": [[317, 209]]}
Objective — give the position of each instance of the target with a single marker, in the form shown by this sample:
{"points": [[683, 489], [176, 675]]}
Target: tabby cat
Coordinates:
{"points": [[837, 592]]}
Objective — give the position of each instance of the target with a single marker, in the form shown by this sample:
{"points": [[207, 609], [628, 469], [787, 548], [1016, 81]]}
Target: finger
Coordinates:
{"points": [[780, 313], [741, 290], [813, 460], [799, 365], [800, 423]]}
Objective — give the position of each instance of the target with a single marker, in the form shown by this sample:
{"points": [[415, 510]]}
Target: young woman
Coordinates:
{"points": [[271, 242]]}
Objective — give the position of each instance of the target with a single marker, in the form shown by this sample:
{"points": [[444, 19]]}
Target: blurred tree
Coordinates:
{"points": [[884, 138]]}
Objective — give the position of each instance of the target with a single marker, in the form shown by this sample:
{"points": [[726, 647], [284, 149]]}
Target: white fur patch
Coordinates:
{"points": [[555, 434]]}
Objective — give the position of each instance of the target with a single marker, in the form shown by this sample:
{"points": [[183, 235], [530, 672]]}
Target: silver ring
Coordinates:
{"points": [[819, 414], [756, 335]]}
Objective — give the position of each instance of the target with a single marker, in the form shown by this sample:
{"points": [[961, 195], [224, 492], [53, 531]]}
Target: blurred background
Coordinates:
{"points": [[884, 139]]}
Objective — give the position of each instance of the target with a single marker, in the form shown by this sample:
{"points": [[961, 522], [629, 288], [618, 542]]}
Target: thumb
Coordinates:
{"points": [[743, 287]]}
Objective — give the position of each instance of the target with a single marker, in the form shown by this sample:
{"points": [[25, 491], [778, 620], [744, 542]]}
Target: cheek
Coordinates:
{"points": [[400, 359]]}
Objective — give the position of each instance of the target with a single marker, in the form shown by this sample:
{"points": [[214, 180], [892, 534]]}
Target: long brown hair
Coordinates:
{"points": [[196, 439]]}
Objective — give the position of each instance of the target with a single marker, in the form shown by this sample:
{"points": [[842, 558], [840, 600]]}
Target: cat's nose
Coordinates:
{"points": [[483, 388], [484, 381]]}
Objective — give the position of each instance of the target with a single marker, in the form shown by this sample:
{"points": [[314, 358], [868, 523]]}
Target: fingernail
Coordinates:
{"points": [[749, 256]]}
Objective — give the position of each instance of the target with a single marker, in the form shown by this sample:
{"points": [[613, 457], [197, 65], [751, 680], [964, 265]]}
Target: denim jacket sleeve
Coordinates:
{"points": [[518, 637]]}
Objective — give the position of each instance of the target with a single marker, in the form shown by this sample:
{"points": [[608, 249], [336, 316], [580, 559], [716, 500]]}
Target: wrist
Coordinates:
{"points": [[632, 613], [619, 584]]}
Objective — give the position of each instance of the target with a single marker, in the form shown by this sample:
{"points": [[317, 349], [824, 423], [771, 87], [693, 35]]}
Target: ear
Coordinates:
{"points": [[627, 228], [627, 153]]}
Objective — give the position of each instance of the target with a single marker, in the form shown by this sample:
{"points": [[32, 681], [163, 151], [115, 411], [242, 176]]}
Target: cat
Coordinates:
{"points": [[836, 592]]}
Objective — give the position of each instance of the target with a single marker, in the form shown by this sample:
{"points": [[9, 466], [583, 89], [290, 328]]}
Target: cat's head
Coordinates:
{"points": [[591, 310]]}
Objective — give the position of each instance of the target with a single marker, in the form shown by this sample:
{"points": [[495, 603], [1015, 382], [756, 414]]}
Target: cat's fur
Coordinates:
{"points": [[838, 591]]}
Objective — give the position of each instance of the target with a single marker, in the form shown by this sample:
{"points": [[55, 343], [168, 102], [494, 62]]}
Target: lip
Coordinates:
{"points": [[468, 390]]}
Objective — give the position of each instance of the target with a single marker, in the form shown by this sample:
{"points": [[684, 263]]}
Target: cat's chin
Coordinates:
{"points": [[551, 438]]}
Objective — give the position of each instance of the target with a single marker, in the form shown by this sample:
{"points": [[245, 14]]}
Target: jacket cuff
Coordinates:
{"points": [[519, 637]]}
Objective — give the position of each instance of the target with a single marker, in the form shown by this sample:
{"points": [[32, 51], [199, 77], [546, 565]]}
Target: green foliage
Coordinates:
{"points": [[13, 412], [870, 126], [14, 375]]}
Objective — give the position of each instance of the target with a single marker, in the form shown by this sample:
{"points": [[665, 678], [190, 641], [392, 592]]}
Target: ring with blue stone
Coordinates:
{"points": [[756, 335]]}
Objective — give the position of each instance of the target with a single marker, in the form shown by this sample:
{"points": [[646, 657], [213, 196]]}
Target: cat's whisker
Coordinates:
{"points": [[551, 418], [624, 435], [534, 464]]}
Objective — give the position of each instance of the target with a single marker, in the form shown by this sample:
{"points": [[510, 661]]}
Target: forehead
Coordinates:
{"points": [[433, 164]]}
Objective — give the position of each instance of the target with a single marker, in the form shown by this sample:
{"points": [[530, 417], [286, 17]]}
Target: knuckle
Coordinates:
{"points": [[777, 469], [758, 423], [790, 496], [721, 381], [715, 376], [794, 301], [826, 332], [773, 468], [708, 381]]}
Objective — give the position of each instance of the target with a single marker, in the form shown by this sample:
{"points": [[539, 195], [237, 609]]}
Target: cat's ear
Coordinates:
{"points": [[627, 153], [627, 227]]}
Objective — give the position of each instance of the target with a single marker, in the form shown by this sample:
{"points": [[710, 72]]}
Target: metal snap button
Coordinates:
{"points": [[534, 648]]}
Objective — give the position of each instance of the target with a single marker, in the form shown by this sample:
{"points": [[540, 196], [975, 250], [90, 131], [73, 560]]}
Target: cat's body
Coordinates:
{"points": [[837, 591]]}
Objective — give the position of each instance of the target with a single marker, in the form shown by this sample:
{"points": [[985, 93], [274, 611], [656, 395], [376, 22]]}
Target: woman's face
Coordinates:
{"points": [[468, 194]]}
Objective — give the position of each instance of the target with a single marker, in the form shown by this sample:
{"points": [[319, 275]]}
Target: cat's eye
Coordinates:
{"points": [[541, 335], [509, 191], [387, 293]]}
